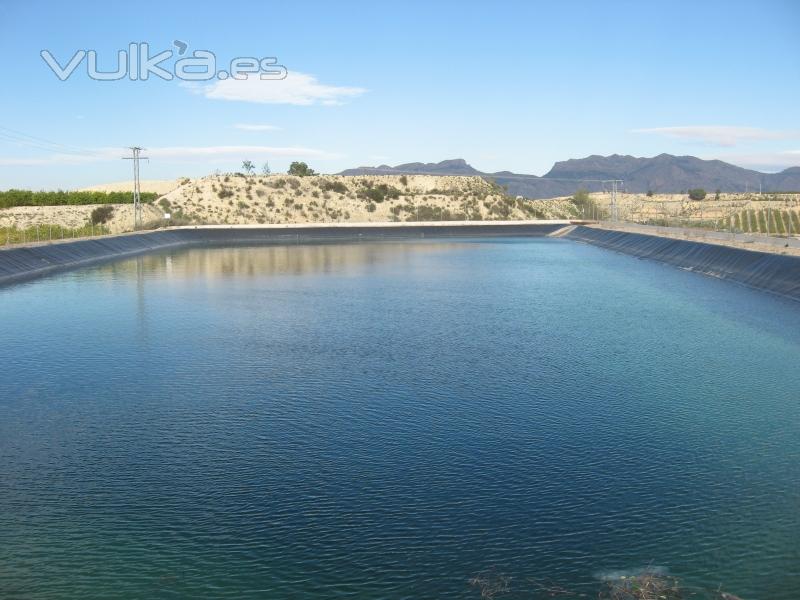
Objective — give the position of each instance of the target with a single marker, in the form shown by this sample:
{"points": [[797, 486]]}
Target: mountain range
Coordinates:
{"points": [[664, 174]]}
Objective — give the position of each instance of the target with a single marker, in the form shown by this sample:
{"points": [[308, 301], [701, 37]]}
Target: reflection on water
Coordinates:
{"points": [[227, 263]]}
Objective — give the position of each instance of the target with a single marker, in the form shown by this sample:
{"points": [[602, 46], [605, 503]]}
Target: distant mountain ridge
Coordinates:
{"points": [[664, 173]]}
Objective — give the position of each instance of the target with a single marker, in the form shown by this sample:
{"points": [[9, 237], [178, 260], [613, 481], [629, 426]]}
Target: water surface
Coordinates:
{"points": [[388, 420]]}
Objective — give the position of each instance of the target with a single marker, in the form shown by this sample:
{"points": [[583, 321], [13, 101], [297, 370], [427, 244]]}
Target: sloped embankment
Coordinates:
{"points": [[775, 273]]}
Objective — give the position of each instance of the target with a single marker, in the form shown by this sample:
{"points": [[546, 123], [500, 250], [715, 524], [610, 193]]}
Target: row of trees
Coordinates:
{"points": [[11, 198], [694, 194]]}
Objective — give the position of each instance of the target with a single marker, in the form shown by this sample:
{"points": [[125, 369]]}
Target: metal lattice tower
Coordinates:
{"points": [[615, 183], [137, 200]]}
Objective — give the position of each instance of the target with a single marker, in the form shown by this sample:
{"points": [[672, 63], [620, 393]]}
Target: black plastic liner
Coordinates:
{"points": [[34, 261], [775, 273]]}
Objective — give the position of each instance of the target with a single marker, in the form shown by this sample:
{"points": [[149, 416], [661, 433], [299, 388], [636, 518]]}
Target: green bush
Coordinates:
{"points": [[581, 197], [102, 214], [379, 193], [334, 186], [697, 194]]}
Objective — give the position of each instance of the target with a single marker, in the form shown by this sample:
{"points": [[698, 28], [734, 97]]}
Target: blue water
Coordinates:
{"points": [[389, 420]]}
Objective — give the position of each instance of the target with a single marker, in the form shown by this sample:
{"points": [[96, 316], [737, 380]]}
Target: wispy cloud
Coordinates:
{"points": [[297, 88], [720, 135], [765, 161], [255, 127], [176, 153]]}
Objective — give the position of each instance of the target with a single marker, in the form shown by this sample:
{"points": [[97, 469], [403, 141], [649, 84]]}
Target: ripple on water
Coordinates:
{"points": [[389, 420]]}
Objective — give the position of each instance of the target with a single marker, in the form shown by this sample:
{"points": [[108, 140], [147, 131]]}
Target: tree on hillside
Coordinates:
{"points": [[248, 166], [581, 197], [300, 169], [697, 194], [265, 169]]}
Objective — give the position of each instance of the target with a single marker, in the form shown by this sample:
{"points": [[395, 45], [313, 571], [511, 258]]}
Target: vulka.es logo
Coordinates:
{"points": [[137, 64]]}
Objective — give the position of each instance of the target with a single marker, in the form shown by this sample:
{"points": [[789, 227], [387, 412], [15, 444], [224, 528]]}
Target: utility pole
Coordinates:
{"points": [[137, 200], [614, 186]]}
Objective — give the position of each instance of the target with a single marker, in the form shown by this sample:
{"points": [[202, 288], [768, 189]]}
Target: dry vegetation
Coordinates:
{"points": [[239, 199], [235, 198]]}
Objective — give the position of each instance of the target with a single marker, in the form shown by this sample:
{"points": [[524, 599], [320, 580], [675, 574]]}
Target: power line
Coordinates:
{"points": [[39, 143]]}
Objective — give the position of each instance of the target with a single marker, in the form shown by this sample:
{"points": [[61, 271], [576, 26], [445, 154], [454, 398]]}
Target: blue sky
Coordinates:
{"points": [[505, 85]]}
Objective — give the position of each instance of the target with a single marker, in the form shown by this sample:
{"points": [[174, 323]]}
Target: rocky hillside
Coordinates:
{"points": [[239, 199]]}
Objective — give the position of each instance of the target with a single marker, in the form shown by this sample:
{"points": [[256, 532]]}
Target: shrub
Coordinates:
{"points": [[649, 193], [697, 194], [371, 207], [225, 193], [102, 214], [404, 180], [379, 193], [334, 186]]}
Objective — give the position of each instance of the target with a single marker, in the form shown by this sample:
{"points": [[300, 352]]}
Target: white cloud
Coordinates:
{"points": [[765, 161], [297, 88], [175, 153], [255, 127], [720, 135]]}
